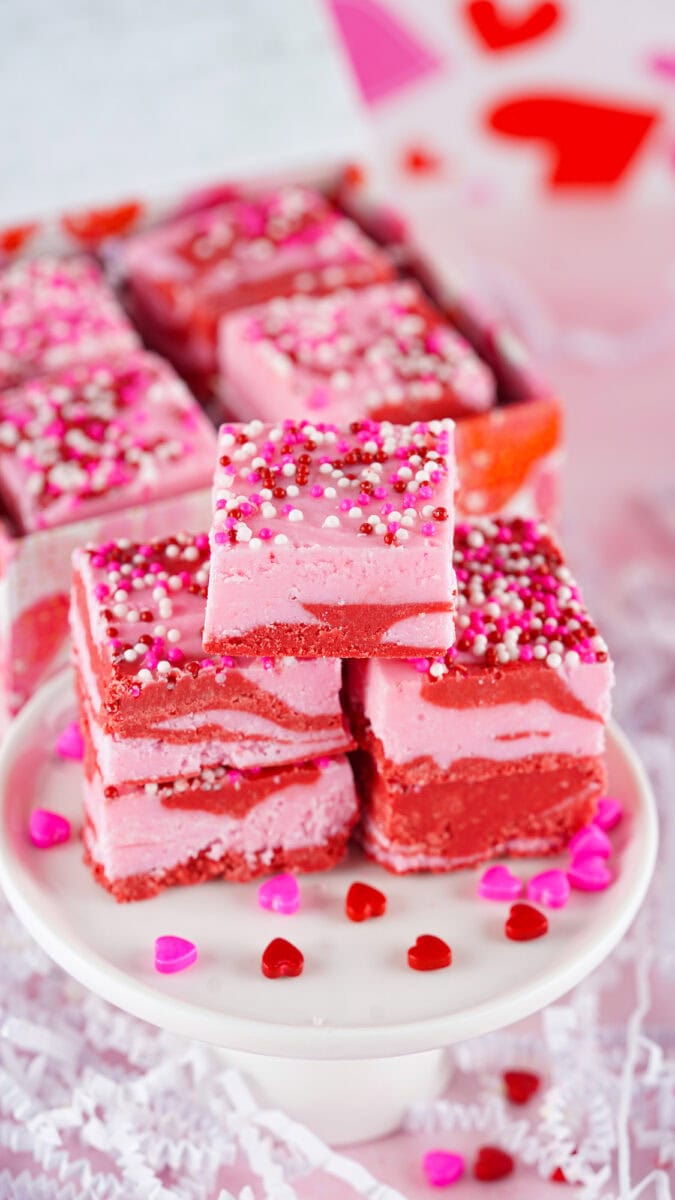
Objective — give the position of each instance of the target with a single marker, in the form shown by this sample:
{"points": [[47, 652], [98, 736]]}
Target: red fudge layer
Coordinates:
{"points": [[185, 275], [384, 353], [97, 437], [479, 810], [154, 706], [54, 312], [328, 540], [219, 822]]}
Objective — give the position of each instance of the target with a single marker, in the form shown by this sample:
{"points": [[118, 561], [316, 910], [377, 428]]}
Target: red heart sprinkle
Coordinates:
{"points": [[429, 953], [525, 923], [418, 160], [558, 1176], [281, 958], [491, 1163], [520, 1086], [500, 30], [364, 901]]}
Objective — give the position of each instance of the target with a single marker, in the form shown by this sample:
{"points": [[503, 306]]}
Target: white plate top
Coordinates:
{"points": [[357, 997]]}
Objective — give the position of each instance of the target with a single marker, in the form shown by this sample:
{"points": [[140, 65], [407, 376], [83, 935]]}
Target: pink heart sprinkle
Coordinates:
{"points": [[610, 812], [590, 874], [280, 894], [442, 1168], [69, 743], [590, 842], [497, 883], [663, 64], [173, 954], [550, 888], [48, 828]]}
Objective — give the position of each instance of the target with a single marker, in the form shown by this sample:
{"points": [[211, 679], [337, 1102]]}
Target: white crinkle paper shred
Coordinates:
{"points": [[97, 1105]]}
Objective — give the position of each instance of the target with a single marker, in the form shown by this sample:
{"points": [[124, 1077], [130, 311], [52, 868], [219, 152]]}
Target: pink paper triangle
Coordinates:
{"points": [[385, 55]]}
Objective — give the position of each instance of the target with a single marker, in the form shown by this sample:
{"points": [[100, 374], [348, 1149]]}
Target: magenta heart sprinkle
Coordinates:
{"points": [[610, 812], [590, 874], [590, 842], [497, 883], [173, 954], [280, 894], [69, 743], [442, 1168], [48, 828], [550, 888]]}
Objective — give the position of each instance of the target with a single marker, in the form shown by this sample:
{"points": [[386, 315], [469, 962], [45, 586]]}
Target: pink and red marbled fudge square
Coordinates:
{"points": [[54, 312], [383, 353], [329, 541]]}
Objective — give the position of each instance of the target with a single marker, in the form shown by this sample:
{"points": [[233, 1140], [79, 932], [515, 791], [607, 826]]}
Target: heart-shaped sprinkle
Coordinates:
{"points": [[430, 953], [69, 743], [281, 958], [280, 894], [491, 1164], [498, 883], [590, 841], [363, 902], [173, 954], [48, 828], [520, 1086], [590, 874], [609, 813], [442, 1168], [550, 888], [525, 923]]}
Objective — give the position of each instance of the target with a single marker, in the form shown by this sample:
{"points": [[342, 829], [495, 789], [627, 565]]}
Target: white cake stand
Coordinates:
{"points": [[359, 1036]]}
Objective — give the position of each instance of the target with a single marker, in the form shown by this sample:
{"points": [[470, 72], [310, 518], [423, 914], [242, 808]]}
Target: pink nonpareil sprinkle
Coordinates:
{"points": [[48, 828], [69, 743]]}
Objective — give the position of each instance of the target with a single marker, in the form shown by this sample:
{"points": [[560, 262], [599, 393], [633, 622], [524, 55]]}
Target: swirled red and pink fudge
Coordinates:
{"points": [[96, 437], [498, 747], [194, 766], [383, 352], [329, 541], [185, 275], [54, 312]]}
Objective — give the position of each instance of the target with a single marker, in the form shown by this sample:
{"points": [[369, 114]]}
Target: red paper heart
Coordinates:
{"points": [[91, 227], [491, 1163], [429, 953], [281, 958], [591, 144], [525, 923], [500, 31], [520, 1086], [364, 901]]}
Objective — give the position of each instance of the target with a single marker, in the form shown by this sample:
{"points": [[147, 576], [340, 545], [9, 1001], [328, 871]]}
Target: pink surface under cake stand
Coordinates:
{"points": [[350, 1044]]}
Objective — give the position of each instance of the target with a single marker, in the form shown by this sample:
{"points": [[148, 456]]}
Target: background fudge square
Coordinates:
{"points": [[97, 437], [332, 542], [153, 705], [185, 275], [505, 753], [384, 352], [54, 312]]}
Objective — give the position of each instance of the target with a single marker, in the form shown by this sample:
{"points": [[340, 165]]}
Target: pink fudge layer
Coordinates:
{"points": [[498, 747], [329, 541], [153, 706], [384, 352], [219, 824], [185, 275], [54, 312], [96, 437]]}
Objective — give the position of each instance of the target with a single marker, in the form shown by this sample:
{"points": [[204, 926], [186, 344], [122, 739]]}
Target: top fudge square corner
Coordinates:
{"points": [[331, 541]]}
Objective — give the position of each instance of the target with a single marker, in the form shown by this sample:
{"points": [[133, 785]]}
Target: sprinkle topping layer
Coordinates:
{"points": [[372, 480], [518, 601], [387, 341], [54, 311], [95, 428]]}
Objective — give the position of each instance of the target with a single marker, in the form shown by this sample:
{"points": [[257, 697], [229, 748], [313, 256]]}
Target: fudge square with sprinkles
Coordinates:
{"points": [[383, 352], [332, 542], [505, 754], [57, 311]]}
